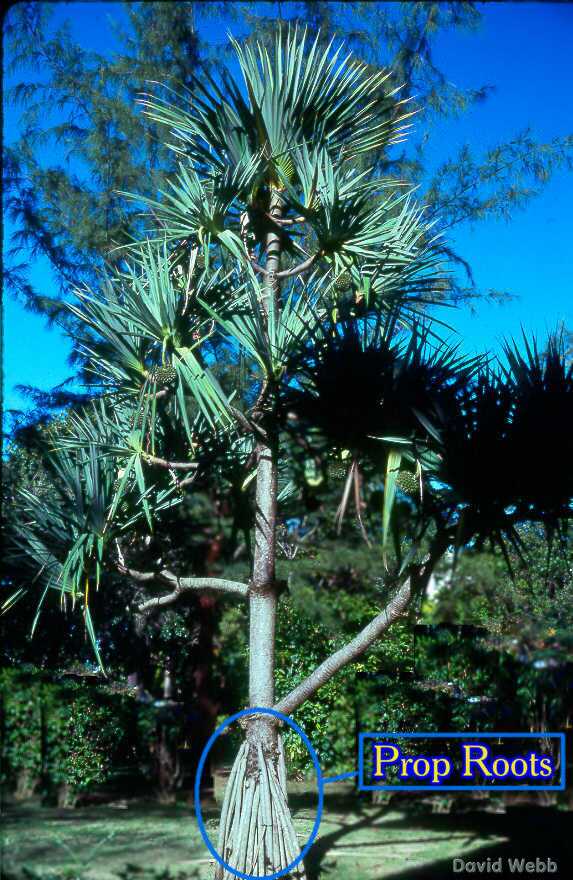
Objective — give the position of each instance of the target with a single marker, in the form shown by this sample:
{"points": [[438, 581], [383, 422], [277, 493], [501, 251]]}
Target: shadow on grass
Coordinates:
{"points": [[529, 833], [532, 833]]}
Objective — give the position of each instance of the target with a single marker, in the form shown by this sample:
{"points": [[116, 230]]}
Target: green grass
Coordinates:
{"points": [[357, 840]]}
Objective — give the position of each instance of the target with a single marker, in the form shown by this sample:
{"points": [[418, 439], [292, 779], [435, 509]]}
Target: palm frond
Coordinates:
{"points": [[296, 95]]}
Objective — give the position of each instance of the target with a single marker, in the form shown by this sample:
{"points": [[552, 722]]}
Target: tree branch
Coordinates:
{"points": [[142, 577], [297, 270], [170, 465], [247, 424], [187, 481], [283, 221], [286, 273], [181, 583], [159, 394], [348, 653], [185, 585], [258, 268]]}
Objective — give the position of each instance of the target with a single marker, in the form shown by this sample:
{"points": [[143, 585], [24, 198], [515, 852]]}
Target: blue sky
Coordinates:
{"points": [[524, 50]]}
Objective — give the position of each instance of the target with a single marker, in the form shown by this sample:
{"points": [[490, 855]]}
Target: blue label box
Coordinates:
{"points": [[381, 752]]}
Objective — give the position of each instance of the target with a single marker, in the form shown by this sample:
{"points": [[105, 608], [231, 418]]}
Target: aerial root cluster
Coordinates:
{"points": [[256, 834]]}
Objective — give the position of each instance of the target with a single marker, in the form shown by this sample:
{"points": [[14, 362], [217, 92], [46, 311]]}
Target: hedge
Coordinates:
{"points": [[60, 738]]}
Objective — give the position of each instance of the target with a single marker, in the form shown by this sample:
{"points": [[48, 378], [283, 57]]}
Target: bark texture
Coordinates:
{"points": [[256, 833], [262, 598]]}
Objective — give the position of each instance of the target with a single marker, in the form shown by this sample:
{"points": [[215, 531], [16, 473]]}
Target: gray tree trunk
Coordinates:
{"points": [[256, 834]]}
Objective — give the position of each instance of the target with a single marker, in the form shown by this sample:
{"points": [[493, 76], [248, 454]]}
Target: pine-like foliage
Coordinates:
{"points": [[70, 212], [67, 208]]}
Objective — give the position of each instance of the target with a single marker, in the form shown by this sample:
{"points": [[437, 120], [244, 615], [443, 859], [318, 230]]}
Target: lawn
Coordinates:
{"points": [[357, 839]]}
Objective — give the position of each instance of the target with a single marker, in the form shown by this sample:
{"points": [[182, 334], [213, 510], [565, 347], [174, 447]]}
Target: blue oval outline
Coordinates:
{"points": [[256, 710]]}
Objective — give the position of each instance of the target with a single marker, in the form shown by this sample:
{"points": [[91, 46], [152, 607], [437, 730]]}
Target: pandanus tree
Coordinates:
{"points": [[277, 242]]}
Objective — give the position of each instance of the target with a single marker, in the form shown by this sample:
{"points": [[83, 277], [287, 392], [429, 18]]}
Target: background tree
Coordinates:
{"points": [[99, 144], [68, 210], [338, 362]]}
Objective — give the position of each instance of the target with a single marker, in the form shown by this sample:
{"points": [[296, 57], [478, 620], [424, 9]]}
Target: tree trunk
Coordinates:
{"points": [[168, 766], [67, 796], [27, 782], [256, 834]]}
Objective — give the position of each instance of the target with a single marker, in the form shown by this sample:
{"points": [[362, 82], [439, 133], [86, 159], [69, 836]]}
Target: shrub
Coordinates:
{"points": [[67, 736], [84, 735], [21, 732]]}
